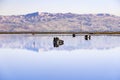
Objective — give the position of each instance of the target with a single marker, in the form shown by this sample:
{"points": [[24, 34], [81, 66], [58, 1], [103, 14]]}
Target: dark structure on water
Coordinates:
{"points": [[87, 37], [57, 42]]}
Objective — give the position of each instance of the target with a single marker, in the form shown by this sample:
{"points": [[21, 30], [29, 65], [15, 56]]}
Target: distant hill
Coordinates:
{"points": [[54, 22]]}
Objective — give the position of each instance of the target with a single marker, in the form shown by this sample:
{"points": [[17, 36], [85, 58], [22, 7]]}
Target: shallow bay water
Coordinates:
{"points": [[34, 57]]}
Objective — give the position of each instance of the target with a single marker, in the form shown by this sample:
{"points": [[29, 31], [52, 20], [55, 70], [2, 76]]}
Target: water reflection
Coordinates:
{"points": [[62, 42], [77, 59]]}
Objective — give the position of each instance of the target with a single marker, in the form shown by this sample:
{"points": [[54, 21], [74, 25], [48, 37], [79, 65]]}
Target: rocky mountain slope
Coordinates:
{"points": [[60, 22]]}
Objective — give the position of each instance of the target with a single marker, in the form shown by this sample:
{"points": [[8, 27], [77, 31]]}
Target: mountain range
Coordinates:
{"points": [[62, 22]]}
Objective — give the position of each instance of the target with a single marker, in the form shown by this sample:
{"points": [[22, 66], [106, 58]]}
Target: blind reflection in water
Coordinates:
{"points": [[26, 57]]}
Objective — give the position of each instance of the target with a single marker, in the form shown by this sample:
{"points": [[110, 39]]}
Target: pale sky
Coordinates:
{"points": [[15, 7]]}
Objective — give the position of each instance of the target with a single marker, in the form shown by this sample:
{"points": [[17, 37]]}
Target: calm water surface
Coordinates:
{"points": [[27, 57]]}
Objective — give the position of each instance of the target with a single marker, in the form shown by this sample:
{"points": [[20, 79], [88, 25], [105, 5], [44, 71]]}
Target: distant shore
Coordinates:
{"points": [[88, 33]]}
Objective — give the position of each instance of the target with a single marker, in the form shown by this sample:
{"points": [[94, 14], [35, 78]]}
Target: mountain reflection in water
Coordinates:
{"points": [[76, 59], [46, 42]]}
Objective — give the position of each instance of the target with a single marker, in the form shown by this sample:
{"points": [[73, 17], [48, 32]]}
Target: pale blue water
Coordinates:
{"points": [[26, 57]]}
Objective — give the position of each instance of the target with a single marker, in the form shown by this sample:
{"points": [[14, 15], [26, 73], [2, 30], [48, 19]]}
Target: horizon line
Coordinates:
{"points": [[55, 13]]}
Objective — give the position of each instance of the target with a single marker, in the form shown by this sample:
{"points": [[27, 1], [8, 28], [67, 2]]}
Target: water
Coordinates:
{"points": [[27, 57]]}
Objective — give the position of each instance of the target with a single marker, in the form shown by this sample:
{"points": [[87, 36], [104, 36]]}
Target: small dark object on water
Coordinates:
{"points": [[57, 42], [73, 35], [87, 37]]}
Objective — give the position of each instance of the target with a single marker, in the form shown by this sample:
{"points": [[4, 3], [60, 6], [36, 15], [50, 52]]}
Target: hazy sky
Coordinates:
{"points": [[10, 7]]}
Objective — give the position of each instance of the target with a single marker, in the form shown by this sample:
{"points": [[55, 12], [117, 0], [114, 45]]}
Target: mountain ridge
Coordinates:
{"points": [[67, 22]]}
